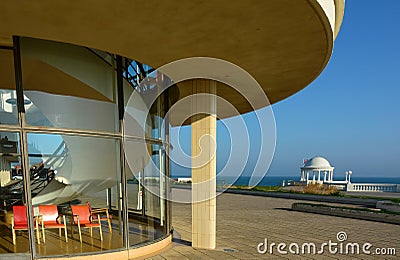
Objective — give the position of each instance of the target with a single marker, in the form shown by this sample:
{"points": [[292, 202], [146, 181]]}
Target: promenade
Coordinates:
{"points": [[244, 221]]}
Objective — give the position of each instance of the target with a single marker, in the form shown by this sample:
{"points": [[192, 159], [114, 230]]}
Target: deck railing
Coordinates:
{"points": [[373, 187]]}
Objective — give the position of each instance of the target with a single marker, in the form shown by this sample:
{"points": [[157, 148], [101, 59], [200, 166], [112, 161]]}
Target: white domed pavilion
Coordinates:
{"points": [[313, 168]]}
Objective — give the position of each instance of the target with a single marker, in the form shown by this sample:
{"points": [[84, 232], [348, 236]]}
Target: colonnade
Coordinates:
{"points": [[316, 175]]}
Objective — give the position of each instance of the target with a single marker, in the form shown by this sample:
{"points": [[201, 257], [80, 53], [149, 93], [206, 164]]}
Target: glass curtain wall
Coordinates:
{"points": [[68, 87], [67, 123], [75, 170], [8, 95], [146, 168], [13, 222], [72, 90], [14, 238], [146, 188]]}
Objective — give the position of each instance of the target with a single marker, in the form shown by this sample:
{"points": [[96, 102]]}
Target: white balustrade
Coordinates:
{"points": [[371, 187]]}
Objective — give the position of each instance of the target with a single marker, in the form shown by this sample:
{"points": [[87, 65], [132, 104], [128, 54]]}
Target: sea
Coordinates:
{"points": [[277, 180]]}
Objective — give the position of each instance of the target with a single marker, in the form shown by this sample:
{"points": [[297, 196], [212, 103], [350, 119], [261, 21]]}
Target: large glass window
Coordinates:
{"points": [[68, 86], [145, 191], [147, 104], [70, 144], [8, 96], [13, 219], [69, 171]]}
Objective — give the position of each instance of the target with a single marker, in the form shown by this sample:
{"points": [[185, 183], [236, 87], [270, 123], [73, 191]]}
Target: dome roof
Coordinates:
{"points": [[317, 162]]}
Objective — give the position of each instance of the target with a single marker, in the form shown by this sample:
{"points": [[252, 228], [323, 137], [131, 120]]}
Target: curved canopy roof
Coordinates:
{"points": [[283, 44]]}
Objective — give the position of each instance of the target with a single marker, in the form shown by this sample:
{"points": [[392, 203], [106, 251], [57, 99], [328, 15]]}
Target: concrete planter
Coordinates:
{"points": [[347, 212]]}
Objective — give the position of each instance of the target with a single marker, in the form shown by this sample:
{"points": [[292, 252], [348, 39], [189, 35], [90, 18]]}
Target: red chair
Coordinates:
{"points": [[20, 222], [83, 219], [49, 218], [103, 213]]}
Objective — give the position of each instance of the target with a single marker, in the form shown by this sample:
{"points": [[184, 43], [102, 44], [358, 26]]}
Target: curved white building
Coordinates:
{"points": [[77, 124]]}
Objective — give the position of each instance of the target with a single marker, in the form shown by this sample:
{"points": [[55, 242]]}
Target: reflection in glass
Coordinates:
{"points": [[147, 103], [68, 86], [72, 170], [74, 88], [145, 192], [11, 171], [8, 96], [11, 194]]}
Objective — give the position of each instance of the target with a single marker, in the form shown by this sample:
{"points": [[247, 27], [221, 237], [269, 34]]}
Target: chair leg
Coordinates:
{"points": [[109, 222], [13, 235], [65, 230], [79, 228], [44, 236], [13, 230], [59, 232], [80, 234], [37, 233], [101, 232], [91, 232]]}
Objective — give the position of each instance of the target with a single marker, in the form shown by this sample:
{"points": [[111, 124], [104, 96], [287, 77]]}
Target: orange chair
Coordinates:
{"points": [[49, 218], [103, 213], [20, 222], [83, 218]]}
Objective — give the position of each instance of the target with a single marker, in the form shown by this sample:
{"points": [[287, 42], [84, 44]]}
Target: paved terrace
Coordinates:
{"points": [[244, 221]]}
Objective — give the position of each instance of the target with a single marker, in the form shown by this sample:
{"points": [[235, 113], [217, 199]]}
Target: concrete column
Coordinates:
{"points": [[204, 166], [319, 175]]}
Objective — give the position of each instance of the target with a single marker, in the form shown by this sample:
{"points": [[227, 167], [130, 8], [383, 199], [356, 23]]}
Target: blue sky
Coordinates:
{"points": [[350, 113], [354, 101]]}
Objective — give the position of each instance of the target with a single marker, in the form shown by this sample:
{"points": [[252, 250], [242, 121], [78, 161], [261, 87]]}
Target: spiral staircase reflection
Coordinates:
{"points": [[42, 179]]}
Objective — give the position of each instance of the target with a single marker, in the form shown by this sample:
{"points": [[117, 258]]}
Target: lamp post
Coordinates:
{"points": [[349, 173]]}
